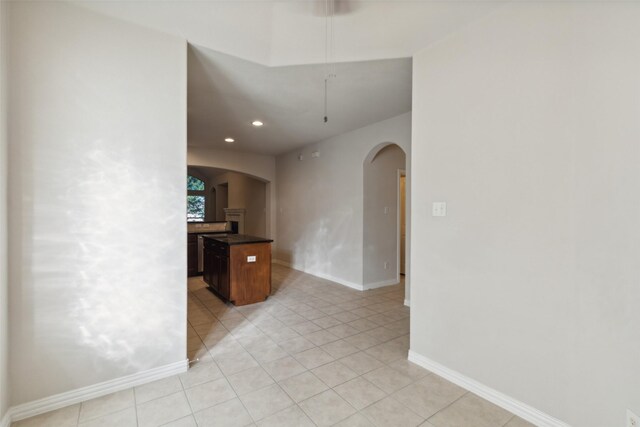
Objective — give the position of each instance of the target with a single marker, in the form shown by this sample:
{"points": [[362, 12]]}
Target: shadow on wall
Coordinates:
{"points": [[382, 169], [321, 243]]}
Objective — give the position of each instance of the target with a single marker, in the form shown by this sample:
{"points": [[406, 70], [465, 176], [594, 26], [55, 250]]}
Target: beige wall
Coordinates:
{"points": [[222, 201], [526, 124], [255, 204], [97, 171], [4, 277], [381, 216], [262, 167], [320, 201], [248, 193]]}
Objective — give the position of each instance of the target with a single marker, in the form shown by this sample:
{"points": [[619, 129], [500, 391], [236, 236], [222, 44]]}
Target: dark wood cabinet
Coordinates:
{"points": [[238, 273], [192, 255], [216, 267], [223, 276], [250, 282], [207, 272]]}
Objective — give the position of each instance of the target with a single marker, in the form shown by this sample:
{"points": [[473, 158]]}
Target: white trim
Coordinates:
{"points": [[381, 284], [401, 173], [57, 401], [512, 405], [407, 303], [6, 420], [337, 280]]}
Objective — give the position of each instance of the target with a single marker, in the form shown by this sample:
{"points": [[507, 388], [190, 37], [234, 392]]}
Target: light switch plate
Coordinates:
{"points": [[439, 209], [632, 419], [251, 258]]}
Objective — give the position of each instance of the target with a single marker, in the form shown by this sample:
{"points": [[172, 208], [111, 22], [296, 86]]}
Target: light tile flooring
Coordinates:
{"points": [[315, 353]]}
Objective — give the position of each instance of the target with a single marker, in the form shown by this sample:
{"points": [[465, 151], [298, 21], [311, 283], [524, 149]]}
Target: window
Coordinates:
{"points": [[196, 199], [194, 184]]}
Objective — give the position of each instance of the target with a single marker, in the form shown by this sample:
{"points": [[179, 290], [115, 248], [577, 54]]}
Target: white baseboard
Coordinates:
{"points": [[407, 303], [57, 401], [6, 420], [342, 282], [512, 405], [381, 284]]}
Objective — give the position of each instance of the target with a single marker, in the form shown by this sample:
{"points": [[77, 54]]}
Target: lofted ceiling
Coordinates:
{"points": [[263, 59], [225, 94], [278, 33]]}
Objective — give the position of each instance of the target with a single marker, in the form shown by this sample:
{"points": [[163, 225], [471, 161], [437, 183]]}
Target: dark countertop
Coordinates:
{"points": [[205, 231], [237, 239], [198, 227]]}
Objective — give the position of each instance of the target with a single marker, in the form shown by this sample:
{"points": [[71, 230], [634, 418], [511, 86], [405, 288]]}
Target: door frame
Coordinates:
{"points": [[400, 173]]}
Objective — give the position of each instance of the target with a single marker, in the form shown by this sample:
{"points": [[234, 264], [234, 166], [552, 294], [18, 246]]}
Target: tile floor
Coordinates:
{"points": [[315, 353]]}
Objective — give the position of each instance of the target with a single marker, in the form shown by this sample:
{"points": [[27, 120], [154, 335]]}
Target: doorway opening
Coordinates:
{"points": [[402, 221], [384, 213]]}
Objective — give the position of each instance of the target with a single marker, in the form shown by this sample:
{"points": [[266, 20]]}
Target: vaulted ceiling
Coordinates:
{"points": [[264, 60], [225, 94]]}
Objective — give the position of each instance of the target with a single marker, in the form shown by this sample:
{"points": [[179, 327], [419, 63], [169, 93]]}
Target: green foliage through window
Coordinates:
{"points": [[194, 184], [196, 199], [195, 208]]}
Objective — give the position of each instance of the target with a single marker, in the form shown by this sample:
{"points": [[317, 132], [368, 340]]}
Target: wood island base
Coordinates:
{"points": [[238, 272]]}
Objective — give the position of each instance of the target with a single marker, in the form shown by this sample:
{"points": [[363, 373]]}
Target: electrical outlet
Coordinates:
{"points": [[632, 419], [386, 265], [439, 209]]}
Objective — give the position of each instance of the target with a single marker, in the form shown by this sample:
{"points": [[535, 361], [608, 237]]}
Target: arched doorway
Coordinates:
{"points": [[384, 216]]}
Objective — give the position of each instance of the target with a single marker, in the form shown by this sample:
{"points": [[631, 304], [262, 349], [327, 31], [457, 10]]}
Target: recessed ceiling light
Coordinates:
{"points": [[229, 140], [257, 123]]}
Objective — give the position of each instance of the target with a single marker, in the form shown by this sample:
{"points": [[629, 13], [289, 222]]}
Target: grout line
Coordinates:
{"points": [[509, 420], [450, 404], [79, 412], [288, 304], [184, 391], [135, 405]]}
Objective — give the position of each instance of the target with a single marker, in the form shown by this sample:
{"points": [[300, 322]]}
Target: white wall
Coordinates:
{"points": [[380, 226], [526, 124], [257, 165], [97, 197], [4, 278], [320, 200]]}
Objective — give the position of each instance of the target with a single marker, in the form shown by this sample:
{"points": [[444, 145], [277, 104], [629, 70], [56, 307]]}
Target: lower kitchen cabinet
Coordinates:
{"points": [[192, 255], [216, 269], [239, 272]]}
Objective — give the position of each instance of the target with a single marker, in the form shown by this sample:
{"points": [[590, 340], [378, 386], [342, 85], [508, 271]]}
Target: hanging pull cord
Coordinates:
{"points": [[329, 64], [326, 57], [326, 83]]}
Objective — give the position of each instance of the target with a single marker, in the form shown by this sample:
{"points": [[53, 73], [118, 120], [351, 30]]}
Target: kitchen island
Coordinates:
{"points": [[237, 267], [195, 244]]}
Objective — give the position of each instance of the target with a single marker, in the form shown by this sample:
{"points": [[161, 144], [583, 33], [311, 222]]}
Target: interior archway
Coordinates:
{"points": [[237, 190], [383, 168]]}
